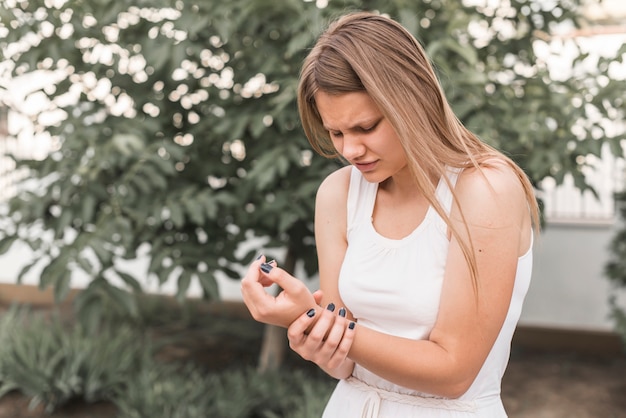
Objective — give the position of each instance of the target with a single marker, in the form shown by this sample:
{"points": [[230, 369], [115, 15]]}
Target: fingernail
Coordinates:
{"points": [[266, 267], [351, 325], [259, 257], [331, 307], [342, 312], [310, 313], [271, 262]]}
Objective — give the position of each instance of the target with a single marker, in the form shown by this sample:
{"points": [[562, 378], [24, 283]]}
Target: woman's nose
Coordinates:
{"points": [[353, 147]]}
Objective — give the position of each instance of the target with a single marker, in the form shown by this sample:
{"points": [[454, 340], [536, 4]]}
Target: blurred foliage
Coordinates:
{"points": [[170, 392], [53, 362], [53, 365], [178, 137], [616, 267], [615, 270]]}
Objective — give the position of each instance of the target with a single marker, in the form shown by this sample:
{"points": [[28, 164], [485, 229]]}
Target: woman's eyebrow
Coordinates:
{"points": [[357, 125]]}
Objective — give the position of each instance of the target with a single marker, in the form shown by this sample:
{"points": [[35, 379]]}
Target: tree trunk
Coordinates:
{"points": [[274, 343]]}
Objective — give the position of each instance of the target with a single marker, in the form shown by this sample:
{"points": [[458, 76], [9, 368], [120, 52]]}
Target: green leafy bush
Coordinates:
{"points": [[169, 392], [53, 364], [53, 361]]}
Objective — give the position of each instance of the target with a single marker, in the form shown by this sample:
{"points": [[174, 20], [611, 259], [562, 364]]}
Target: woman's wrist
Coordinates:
{"points": [[343, 371]]}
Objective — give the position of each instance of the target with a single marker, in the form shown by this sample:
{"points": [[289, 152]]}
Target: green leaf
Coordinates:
{"points": [[233, 274], [54, 272], [153, 176], [176, 214], [437, 47], [209, 285], [164, 273], [6, 243], [297, 43], [24, 271], [194, 210], [184, 280], [85, 264], [127, 144], [62, 287], [125, 300], [165, 167], [130, 281], [209, 204], [142, 184], [104, 255], [156, 261], [89, 303], [88, 208], [63, 222]]}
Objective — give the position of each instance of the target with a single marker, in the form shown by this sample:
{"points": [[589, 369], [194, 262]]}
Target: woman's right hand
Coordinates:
{"points": [[281, 310]]}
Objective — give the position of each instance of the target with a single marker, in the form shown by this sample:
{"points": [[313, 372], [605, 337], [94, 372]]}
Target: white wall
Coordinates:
{"points": [[568, 288]]}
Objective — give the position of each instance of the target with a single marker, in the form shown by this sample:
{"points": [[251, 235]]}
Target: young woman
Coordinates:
{"points": [[424, 240]]}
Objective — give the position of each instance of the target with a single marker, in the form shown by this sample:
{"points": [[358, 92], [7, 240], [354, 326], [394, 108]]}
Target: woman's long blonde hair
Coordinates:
{"points": [[367, 52]]}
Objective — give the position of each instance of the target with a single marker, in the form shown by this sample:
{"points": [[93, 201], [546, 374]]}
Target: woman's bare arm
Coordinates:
{"points": [[468, 324]]}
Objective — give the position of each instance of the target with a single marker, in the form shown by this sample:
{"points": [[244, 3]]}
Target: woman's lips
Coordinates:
{"points": [[365, 167]]}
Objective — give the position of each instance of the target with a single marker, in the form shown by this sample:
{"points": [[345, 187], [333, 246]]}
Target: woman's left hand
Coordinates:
{"points": [[281, 310], [324, 338]]}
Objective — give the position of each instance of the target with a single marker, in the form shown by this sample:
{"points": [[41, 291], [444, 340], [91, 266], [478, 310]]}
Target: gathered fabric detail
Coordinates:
{"points": [[376, 395]]}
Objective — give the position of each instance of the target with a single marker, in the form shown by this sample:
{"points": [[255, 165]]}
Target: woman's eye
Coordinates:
{"points": [[369, 128]]}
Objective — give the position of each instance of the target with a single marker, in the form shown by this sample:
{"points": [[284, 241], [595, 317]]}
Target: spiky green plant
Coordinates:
{"points": [[52, 363]]}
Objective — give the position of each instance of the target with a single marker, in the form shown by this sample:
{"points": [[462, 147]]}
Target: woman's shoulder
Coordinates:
{"points": [[335, 186], [331, 207], [494, 188], [332, 197], [492, 175]]}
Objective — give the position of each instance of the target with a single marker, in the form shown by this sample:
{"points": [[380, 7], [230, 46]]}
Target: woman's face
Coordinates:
{"points": [[361, 134]]}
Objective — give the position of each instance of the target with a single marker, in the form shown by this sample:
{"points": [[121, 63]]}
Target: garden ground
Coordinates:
{"points": [[537, 384]]}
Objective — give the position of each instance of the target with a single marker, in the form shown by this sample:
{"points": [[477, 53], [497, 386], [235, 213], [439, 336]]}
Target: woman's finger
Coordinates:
{"points": [[307, 343], [297, 331], [342, 348], [279, 276]]}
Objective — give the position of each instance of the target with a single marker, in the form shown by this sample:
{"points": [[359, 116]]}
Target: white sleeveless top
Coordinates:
{"points": [[394, 286]]}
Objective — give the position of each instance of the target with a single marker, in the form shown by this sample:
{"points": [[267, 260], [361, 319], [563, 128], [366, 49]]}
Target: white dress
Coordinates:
{"points": [[394, 286]]}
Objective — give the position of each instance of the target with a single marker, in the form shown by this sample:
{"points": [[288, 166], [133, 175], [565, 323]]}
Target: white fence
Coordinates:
{"points": [[566, 203]]}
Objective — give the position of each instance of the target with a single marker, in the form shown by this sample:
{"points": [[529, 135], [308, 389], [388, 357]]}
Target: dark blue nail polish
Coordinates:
{"points": [[266, 268], [259, 257], [310, 313], [342, 312], [351, 325], [331, 307]]}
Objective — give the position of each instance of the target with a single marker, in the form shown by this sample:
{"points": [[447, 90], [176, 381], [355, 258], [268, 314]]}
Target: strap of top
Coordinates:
{"points": [[443, 192], [362, 196]]}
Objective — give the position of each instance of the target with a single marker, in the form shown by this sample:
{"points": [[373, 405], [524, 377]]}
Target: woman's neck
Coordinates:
{"points": [[404, 185]]}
